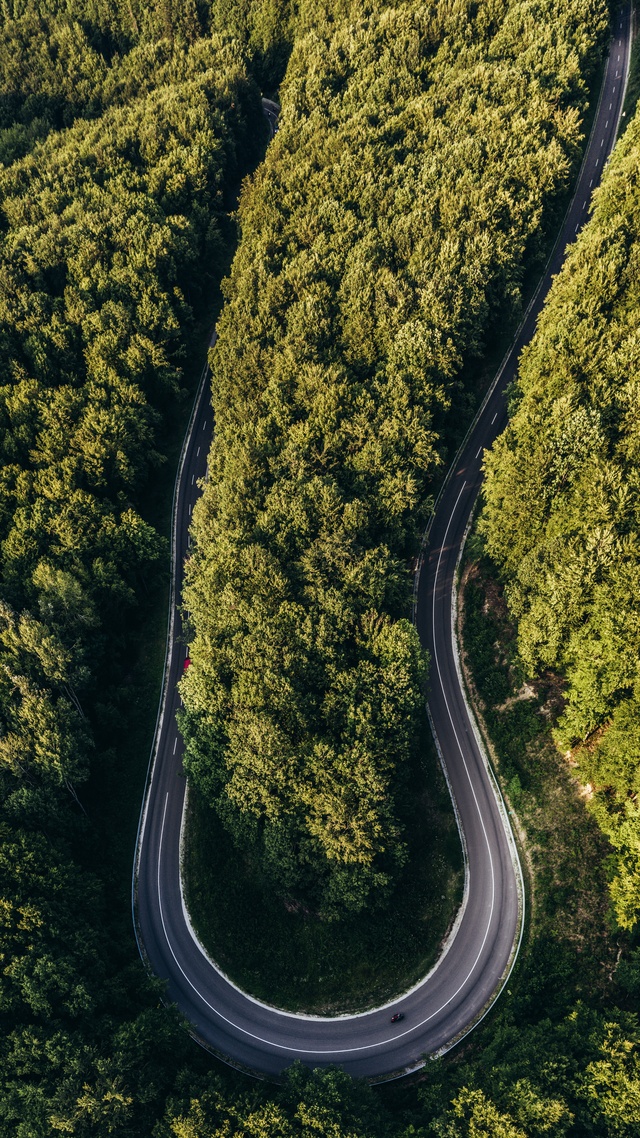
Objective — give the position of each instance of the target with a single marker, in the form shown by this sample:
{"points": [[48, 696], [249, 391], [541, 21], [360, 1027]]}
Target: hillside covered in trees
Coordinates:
{"points": [[419, 165], [562, 513], [111, 238], [66, 59], [124, 129]]}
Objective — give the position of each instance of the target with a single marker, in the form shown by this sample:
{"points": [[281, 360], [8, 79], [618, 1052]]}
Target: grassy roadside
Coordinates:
{"points": [[290, 957], [569, 956], [569, 951]]}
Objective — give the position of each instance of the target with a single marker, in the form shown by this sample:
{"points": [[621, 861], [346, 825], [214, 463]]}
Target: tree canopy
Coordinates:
{"points": [[67, 59], [110, 242], [561, 515], [419, 160], [124, 128]]}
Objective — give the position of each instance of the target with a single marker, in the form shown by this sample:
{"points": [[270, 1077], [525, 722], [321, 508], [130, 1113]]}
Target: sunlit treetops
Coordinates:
{"points": [[562, 514], [419, 163]]}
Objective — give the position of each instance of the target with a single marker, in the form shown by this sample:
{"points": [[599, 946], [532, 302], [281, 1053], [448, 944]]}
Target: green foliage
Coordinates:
{"points": [[571, 951], [416, 168], [633, 86], [110, 238], [576, 1077], [326, 1103], [561, 517], [266, 29], [69, 59], [547, 1064], [286, 954], [611, 764]]}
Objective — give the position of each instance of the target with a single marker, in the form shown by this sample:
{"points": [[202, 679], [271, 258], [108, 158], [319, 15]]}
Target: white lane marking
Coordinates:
{"points": [[204, 424], [198, 453], [610, 106], [584, 204], [494, 418], [614, 90], [479, 449], [397, 1035], [175, 744], [602, 143], [590, 183], [192, 478], [606, 124], [596, 162], [577, 227], [475, 799]]}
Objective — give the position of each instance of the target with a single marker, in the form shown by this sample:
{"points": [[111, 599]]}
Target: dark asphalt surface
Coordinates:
{"points": [[481, 950], [271, 112]]}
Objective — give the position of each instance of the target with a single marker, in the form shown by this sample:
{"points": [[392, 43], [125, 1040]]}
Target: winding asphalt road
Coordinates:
{"points": [[483, 944]]}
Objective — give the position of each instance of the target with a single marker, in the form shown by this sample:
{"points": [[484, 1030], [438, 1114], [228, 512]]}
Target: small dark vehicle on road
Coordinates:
{"points": [[397, 1017]]}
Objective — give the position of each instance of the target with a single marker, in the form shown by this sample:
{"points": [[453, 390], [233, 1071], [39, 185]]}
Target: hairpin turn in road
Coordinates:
{"points": [[482, 947]]}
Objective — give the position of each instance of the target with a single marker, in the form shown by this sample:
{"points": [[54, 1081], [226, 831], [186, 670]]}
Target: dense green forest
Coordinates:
{"points": [[67, 59], [562, 513], [112, 232], [420, 162], [124, 129]]}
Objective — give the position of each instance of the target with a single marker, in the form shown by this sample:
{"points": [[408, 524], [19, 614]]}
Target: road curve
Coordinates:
{"points": [[482, 946]]}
